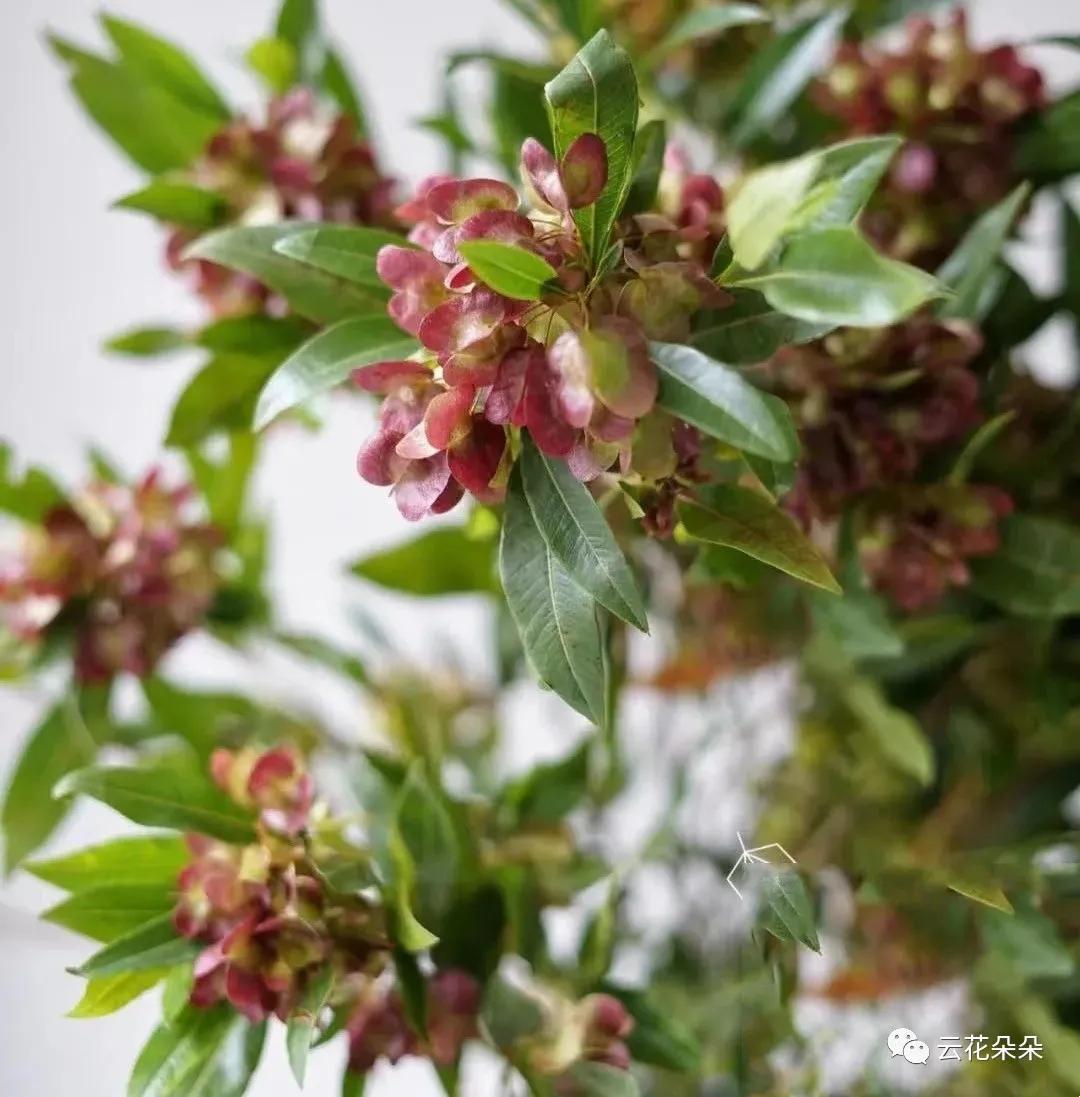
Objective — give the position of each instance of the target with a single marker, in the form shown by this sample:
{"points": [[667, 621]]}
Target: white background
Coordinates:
{"points": [[74, 273]]}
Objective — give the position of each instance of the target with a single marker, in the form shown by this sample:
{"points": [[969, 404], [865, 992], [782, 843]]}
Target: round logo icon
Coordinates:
{"points": [[899, 1038], [916, 1051]]}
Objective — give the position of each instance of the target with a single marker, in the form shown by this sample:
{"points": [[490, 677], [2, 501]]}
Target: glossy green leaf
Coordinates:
{"points": [[163, 796], [855, 168], [444, 560], [328, 358], [151, 342], [411, 934], [424, 826], [786, 910], [313, 293], [60, 743], [518, 108], [707, 22], [750, 330], [339, 87], [220, 397], [777, 75], [153, 128], [509, 270], [111, 910], [275, 62], [597, 93], [348, 251], [176, 204], [164, 65], [1036, 570], [717, 400], [555, 617], [576, 532], [897, 736], [301, 1026], [975, 884], [203, 1053], [649, 147], [763, 206], [834, 276], [256, 335], [977, 256], [509, 1014], [106, 994], [600, 1080], [154, 944], [859, 624], [30, 496], [1049, 146], [549, 792], [142, 861], [745, 520]]}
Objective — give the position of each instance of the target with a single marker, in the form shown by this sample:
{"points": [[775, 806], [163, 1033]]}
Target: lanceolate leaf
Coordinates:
{"points": [[855, 168], [575, 531], [61, 743], [154, 944], [744, 520], [710, 22], [107, 912], [445, 560], [150, 342], [162, 796], [202, 1053], [424, 826], [555, 617], [977, 257], [220, 397], [750, 330], [834, 276], [511, 271], [143, 861], [762, 207], [716, 399], [787, 912], [327, 359], [313, 293], [106, 994], [597, 93], [301, 1026], [163, 65], [348, 251], [176, 203], [338, 85], [1049, 147], [777, 74]]}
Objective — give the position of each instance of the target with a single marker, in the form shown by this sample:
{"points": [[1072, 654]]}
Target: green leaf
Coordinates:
{"points": [[975, 445], [219, 398], [148, 342], [1049, 147], [717, 400], [834, 276], [1036, 570], [300, 1030], [555, 618], [597, 93], [764, 204], [176, 204], [517, 107], [658, 1038], [974, 884], [444, 560], [509, 1014], [577, 534], [897, 737], [600, 1080], [154, 129], [411, 934], [329, 655], [509, 270], [548, 793], [255, 335], [1029, 941], [165, 66], [154, 944], [106, 994], [176, 991], [787, 912], [859, 624], [328, 358], [311, 292], [649, 147], [745, 520], [338, 85], [347, 251], [855, 167], [160, 796], [203, 1053], [29, 498], [709, 22], [60, 743], [976, 258], [275, 62], [107, 912], [750, 330], [777, 74], [298, 24], [423, 825], [352, 1084], [142, 861]]}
